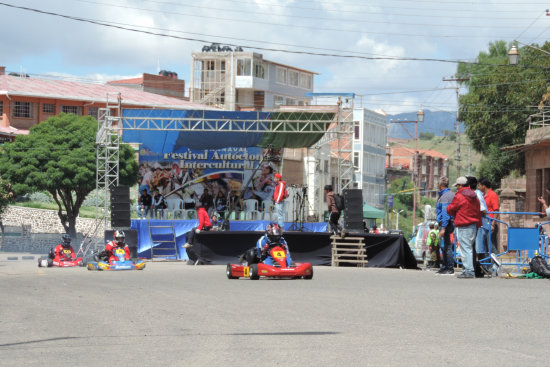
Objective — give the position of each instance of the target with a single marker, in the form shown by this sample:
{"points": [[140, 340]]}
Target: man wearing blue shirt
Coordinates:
{"points": [[445, 221]]}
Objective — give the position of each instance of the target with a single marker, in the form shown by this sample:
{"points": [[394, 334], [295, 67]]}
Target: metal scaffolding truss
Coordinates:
{"points": [[107, 154], [280, 122]]}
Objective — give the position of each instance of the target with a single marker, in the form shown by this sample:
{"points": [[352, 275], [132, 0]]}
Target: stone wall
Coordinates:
{"points": [[37, 230]]}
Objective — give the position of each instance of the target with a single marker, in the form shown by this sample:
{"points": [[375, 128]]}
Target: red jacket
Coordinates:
{"points": [[279, 193], [204, 219], [62, 253], [465, 208], [111, 247]]}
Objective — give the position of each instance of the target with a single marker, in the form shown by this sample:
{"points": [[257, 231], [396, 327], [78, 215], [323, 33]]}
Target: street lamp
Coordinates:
{"points": [[419, 118], [513, 56], [397, 219]]}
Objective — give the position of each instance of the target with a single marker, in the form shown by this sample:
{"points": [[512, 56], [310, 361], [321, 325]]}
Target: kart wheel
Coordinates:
{"points": [[228, 272], [310, 276], [254, 275]]}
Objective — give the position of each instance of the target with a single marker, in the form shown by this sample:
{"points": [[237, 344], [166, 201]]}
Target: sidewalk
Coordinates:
{"points": [[18, 256]]}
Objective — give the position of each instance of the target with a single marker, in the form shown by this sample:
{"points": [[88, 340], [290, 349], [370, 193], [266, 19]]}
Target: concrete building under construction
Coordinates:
{"points": [[238, 80]]}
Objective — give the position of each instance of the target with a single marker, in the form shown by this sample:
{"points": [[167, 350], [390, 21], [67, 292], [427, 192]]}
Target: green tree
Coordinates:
{"points": [[426, 136], [496, 107], [59, 156]]}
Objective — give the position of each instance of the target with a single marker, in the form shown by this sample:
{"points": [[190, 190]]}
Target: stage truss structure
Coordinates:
{"points": [[295, 120]]}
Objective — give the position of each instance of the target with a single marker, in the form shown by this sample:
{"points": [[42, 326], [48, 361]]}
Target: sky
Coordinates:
{"points": [[375, 40]]}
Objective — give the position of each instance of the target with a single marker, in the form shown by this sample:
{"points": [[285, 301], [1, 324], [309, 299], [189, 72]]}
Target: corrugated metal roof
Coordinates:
{"points": [[58, 89]]}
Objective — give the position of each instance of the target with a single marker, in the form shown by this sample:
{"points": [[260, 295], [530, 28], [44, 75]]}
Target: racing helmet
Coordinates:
{"points": [[119, 237], [273, 232], [66, 240]]}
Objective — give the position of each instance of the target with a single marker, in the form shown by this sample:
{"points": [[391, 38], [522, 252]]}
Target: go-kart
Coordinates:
{"points": [[279, 269], [64, 261], [102, 262]]}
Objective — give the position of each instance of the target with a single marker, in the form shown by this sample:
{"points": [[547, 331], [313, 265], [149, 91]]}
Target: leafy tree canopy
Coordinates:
{"points": [[59, 156], [499, 101]]}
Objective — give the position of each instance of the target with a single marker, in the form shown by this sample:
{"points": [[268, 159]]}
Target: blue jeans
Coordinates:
{"points": [[482, 239], [466, 236], [448, 248], [280, 209], [145, 211]]}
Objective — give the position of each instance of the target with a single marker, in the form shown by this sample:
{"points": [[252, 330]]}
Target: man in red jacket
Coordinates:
{"points": [[205, 224], [467, 219], [279, 196]]}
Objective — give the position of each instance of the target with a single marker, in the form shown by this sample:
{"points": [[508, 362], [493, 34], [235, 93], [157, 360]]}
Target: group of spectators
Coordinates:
{"points": [[467, 211]]}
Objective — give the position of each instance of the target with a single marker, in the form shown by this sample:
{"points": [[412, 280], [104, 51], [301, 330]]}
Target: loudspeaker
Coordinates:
{"points": [[353, 212], [120, 206], [130, 239]]}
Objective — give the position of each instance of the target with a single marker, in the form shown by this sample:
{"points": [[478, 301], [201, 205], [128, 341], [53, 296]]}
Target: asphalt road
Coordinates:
{"points": [[171, 314]]}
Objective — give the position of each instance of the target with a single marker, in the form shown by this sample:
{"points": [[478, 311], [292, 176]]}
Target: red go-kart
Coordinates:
{"points": [[64, 261], [279, 269]]}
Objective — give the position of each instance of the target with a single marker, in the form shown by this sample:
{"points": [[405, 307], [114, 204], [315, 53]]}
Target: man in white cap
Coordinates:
{"points": [[467, 219]]}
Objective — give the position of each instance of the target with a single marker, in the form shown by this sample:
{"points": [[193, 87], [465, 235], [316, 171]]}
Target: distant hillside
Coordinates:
{"points": [[434, 122]]}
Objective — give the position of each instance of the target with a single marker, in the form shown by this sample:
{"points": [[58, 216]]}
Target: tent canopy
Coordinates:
{"points": [[370, 212]]}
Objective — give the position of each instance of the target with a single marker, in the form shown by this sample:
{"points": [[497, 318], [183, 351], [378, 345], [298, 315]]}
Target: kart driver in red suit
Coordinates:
{"points": [[64, 251], [118, 241]]}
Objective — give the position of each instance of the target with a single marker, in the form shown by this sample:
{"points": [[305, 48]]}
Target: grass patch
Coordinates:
{"points": [[85, 211]]}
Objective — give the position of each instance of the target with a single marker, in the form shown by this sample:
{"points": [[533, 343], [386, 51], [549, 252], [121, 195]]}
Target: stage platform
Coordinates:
{"points": [[312, 245]]}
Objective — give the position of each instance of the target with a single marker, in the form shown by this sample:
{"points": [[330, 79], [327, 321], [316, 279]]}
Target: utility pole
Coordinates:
{"points": [[457, 123]]}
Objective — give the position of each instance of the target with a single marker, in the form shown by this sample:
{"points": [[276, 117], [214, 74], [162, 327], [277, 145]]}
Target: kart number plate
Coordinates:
{"points": [[67, 251], [279, 254], [120, 251], [246, 271]]}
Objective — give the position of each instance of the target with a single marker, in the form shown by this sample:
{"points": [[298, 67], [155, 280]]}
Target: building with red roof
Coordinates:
{"points": [[26, 101], [431, 166]]}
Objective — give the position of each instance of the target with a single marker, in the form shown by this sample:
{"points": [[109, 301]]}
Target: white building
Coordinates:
{"points": [[369, 155], [354, 161], [238, 80]]}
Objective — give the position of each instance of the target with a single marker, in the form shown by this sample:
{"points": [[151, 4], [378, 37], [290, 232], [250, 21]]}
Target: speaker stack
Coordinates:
{"points": [[120, 207], [353, 211]]}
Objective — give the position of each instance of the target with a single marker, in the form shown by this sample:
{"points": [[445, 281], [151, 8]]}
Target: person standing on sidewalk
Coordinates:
{"points": [[465, 209], [279, 196], [446, 225], [491, 198]]}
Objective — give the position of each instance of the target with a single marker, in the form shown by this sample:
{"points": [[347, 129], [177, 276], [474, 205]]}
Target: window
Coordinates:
{"points": [[1, 108], [94, 112], [75, 110], [210, 65], [48, 108], [356, 160], [291, 102], [356, 130], [244, 67], [281, 75], [306, 81], [22, 109], [278, 100], [293, 78], [259, 70]]}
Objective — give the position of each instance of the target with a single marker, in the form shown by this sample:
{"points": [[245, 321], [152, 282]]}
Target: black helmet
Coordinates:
{"points": [[273, 232], [66, 240], [119, 237]]}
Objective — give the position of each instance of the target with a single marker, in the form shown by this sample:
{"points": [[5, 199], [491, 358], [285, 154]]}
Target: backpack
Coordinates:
{"points": [[339, 202], [539, 266]]}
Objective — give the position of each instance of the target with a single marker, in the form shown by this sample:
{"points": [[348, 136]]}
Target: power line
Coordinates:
{"points": [[301, 16], [101, 23], [361, 31]]}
